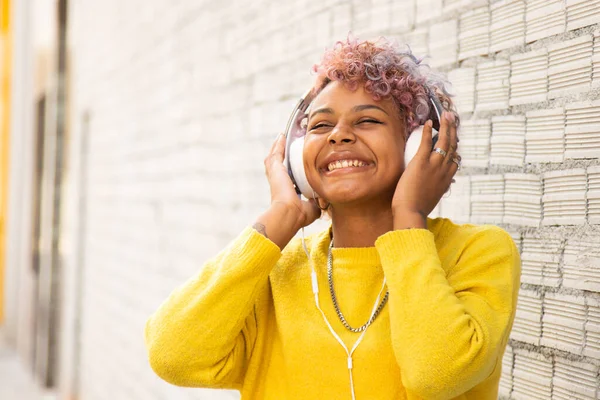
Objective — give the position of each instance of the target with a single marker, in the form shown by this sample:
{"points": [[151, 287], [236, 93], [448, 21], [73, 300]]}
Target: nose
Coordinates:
{"points": [[341, 134]]}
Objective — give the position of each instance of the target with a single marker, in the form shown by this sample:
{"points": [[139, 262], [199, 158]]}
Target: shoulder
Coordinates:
{"points": [[474, 245], [447, 232]]}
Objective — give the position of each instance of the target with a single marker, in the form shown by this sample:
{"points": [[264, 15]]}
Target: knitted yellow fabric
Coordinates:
{"points": [[247, 320]]}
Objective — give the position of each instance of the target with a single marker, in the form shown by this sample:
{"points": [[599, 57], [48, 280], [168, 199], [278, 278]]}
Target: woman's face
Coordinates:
{"points": [[354, 146]]}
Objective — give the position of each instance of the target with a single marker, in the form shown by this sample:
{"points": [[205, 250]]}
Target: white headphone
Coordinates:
{"points": [[295, 133]]}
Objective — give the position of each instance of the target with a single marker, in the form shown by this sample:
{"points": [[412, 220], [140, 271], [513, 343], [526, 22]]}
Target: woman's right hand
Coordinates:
{"points": [[288, 212]]}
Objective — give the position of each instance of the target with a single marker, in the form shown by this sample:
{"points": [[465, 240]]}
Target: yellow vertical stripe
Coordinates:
{"points": [[5, 75]]}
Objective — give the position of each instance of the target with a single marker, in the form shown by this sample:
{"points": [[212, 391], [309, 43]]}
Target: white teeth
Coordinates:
{"points": [[345, 164]]}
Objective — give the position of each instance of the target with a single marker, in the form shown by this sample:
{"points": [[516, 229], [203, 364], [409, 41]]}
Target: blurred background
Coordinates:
{"points": [[132, 135]]}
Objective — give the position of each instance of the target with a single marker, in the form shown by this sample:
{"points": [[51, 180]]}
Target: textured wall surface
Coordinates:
{"points": [[185, 97]]}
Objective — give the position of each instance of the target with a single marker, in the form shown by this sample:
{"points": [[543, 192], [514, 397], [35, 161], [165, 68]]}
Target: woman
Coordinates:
{"points": [[402, 307]]}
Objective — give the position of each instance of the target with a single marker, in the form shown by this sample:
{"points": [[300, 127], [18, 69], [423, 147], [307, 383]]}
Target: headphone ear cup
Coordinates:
{"points": [[412, 145], [298, 174]]}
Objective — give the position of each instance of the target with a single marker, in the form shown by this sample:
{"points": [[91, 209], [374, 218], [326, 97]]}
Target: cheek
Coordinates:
{"points": [[309, 154]]}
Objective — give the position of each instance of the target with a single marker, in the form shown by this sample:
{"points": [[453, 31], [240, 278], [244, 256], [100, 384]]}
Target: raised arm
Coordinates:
{"points": [[449, 326], [202, 335]]}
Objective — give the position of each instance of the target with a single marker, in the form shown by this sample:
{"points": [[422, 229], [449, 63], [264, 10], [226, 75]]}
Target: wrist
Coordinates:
{"points": [[409, 220], [278, 224], [288, 216]]}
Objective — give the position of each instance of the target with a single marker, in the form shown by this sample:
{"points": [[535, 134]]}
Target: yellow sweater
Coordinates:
{"points": [[247, 320]]}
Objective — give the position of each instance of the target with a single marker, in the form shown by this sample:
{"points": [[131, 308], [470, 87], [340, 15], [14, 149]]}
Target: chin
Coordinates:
{"points": [[346, 194]]}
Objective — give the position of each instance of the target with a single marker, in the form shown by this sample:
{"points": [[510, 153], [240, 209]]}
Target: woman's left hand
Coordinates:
{"points": [[427, 177]]}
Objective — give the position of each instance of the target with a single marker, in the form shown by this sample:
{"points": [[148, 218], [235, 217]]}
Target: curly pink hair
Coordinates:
{"points": [[386, 72]]}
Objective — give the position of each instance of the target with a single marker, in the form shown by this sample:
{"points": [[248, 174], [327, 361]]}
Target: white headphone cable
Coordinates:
{"points": [[315, 289]]}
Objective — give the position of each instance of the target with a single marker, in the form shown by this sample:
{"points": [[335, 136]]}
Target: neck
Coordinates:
{"points": [[360, 226]]}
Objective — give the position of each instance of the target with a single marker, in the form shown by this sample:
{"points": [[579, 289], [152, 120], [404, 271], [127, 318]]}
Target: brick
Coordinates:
{"points": [[592, 328], [474, 37], [563, 322], [596, 60], [463, 83], [443, 43], [428, 10], [545, 135], [493, 85], [527, 326], [581, 13], [516, 236], [570, 66], [487, 195], [529, 77], [522, 199], [506, 379], [564, 197], [532, 376], [453, 5], [582, 137], [540, 260], [381, 16], [403, 15], [361, 21], [418, 41], [475, 142], [593, 195], [456, 204], [581, 269], [341, 22], [574, 380], [508, 140], [544, 18], [508, 24]]}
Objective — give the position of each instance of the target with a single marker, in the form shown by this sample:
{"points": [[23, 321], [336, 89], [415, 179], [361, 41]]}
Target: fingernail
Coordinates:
{"points": [[429, 123], [449, 116]]}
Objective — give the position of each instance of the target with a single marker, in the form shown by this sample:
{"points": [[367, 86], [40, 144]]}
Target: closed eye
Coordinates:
{"points": [[317, 126], [373, 121]]}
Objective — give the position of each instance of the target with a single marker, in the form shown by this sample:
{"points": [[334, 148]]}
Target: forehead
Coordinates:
{"points": [[338, 97]]}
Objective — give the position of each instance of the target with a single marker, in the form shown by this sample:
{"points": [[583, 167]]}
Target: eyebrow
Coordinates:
{"points": [[358, 108]]}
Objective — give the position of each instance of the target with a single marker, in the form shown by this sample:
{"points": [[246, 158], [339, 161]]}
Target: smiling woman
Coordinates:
{"points": [[421, 308]]}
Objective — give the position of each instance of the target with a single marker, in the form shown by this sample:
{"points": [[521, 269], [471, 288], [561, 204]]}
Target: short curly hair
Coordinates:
{"points": [[386, 71]]}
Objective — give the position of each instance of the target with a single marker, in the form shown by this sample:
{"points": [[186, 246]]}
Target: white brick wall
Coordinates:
{"points": [[186, 97]]}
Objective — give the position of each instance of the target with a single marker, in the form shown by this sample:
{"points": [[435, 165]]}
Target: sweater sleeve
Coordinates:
{"points": [[449, 327], [203, 334]]}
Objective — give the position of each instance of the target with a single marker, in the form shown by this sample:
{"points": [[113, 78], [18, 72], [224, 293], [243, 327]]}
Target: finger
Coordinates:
{"points": [[271, 156], [453, 164], [453, 137], [426, 140], [274, 144], [279, 149], [444, 138]]}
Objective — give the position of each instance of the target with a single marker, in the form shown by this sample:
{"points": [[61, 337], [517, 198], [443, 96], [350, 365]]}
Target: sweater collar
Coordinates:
{"points": [[349, 257]]}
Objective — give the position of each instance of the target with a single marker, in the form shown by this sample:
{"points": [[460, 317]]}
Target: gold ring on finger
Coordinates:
{"points": [[440, 151]]}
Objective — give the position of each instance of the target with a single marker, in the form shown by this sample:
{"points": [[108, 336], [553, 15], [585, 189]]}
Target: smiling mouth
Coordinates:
{"points": [[341, 164]]}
